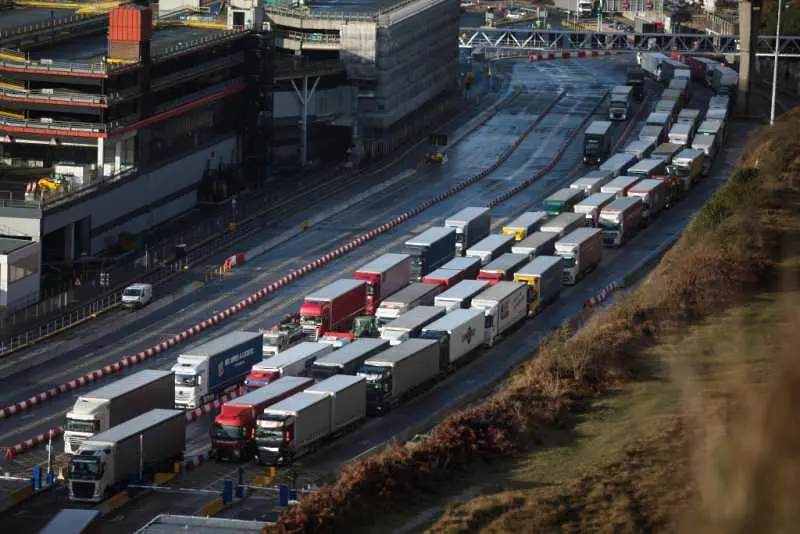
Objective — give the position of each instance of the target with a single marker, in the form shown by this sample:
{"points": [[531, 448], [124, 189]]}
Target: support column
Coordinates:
{"points": [[100, 157], [118, 156], [305, 97], [69, 242], [749, 22]]}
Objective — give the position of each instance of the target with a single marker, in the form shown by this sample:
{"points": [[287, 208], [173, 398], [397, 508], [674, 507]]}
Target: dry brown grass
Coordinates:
{"points": [[729, 251]]}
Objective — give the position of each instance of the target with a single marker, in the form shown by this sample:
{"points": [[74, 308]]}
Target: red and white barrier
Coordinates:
{"points": [[541, 56], [35, 441], [233, 261], [601, 297], [197, 413]]}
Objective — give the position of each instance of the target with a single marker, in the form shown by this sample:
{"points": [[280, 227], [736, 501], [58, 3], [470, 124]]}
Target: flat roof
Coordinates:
{"points": [[10, 244], [23, 16], [341, 6], [167, 524]]}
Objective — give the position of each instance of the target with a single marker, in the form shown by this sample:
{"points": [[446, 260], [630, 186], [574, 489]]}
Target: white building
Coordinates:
{"points": [[20, 266]]}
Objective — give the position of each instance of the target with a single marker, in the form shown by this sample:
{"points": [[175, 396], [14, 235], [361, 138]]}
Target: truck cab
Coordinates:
{"points": [[596, 142], [281, 338], [688, 165], [89, 473], [274, 435], [91, 417], [191, 382], [620, 103], [232, 431], [136, 295]]}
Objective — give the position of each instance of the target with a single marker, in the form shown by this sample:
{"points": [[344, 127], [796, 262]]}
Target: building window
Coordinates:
{"points": [[22, 267]]}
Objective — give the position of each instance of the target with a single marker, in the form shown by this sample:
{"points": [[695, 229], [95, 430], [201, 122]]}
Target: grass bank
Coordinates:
{"points": [[733, 249]]}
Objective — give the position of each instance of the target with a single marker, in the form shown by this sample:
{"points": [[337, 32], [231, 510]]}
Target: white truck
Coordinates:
{"points": [[399, 371], [564, 223], [582, 251], [537, 244], [504, 305], [652, 134], [620, 220], [681, 134], [297, 425], [410, 324], [543, 275], [524, 225], [666, 151], [621, 103], [116, 403], [689, 166], [347, 360], [491, 247], [653, 193], [472, 225], [408, 298], [591, 182], [459, 334], [708, 145], [617, 164], [141, 446], [295, 361], [619, 186], [590, 207], [460, 295], [641, 148], [281, 338], [715, 127], [655, 64]]}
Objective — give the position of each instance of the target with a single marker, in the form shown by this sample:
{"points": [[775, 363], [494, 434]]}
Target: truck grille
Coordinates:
{"points": [[310, 332], [74, 443], [82, 490]]}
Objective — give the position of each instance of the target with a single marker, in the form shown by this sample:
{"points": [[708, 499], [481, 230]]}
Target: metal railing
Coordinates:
{"points": [[84, 127], [205, 68], [322, 38], [54, 96], [180, 48], [208, 91], [49, 24], [287, 10], [62, 66]]}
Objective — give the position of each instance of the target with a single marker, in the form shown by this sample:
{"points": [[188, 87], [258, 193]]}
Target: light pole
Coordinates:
{"points": [[775, 64]]}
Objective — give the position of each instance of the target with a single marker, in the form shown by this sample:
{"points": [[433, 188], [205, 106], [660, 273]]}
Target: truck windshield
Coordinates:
{"points": [[273, 340], [607, 224], [460, 237], [132, 292], [312, 319], [185, 380], [228, 431], [88, 469], [569, 261], [370, 289], [681, 171], [591, 146], [271, 437], [76, 425], [373, 372]]}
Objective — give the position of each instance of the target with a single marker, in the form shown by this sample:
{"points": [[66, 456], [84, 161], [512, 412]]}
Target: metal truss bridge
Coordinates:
{"points": [[689, 43]]}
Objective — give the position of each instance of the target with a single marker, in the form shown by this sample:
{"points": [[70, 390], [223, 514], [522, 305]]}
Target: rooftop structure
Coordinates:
{"points": [[168, 524]]}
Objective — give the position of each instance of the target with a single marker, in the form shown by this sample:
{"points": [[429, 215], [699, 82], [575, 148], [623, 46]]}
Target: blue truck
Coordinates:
{"points": [[212, 369], [430, 250]]}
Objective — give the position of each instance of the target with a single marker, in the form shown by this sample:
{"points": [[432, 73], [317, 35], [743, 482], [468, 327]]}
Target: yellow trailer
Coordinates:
{"points": [[524, 225], [543, 275]]}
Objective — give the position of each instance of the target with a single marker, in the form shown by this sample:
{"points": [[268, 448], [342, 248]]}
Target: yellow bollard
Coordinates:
{"points": [[304, 226]]}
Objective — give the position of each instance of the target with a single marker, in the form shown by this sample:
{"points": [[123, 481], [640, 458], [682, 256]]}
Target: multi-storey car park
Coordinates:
{"points": [[111, 123]]}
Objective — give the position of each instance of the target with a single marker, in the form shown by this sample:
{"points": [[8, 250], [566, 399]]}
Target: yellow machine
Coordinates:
{"points": [[52, 184], [436, 157]]}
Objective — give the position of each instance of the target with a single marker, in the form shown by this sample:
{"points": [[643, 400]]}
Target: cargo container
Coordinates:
{"points": [[415, 294], [524, 225], [640, 148], [444, 277], [537, 244], [400, 371], [688, 166], [303, 422], [459, 335], [564, 223], [620, 185], [491, 247], [665, 152], [589, 186], [621, 103], [620, 220], [701, 68], [682, 85], [460, 295], [332, 308], [430, 250], [690, 116], [115, 403], [410, 324], [590, 207], [348, 359], [648, 168], [469, 265], [471, 225], [582, 251], [384, 276], [205, 372], [724, 80], [711, 127], [669, 108], [543, 275], [504, 305], [655, 64], [720, 114], [597, 141], [681, 134], [617, 164], [653, 193], [233, 433], [110, 460], [562, 201], [708, 145], [503, 268], [652, 134], [660, 119], [295, 361], [675, 95]]}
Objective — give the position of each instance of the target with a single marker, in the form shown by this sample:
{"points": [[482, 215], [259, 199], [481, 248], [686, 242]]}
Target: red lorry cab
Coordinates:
{"points": [[444, 277], [332, 308], [503, 268], [384, 276], [233, 433]]}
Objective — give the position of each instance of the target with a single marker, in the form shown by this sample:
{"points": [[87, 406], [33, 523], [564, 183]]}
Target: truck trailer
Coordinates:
{"points": [[617, 164], [471, 225], [564, 223], [347, 360], [653, 193], [491, 247], [597, 142], [591, 182], [655, 64], [724, 80], [139, 447], [460, 295], [504, 305], [537, 244], [652, 134], [384, 276], [502, 268], [620, 185], [468, 265], [415, 294], [445, 277], [543, 275], [410, 324], [665, 152], [398, 372], [332, 308], [295, 361], [681, 134], [430, 250], [590, 207], [205, 372], [639, 148], [233, 433], [524, 225], [459, 335], [620, 220], [115, 403], [582, 251], [648, 168]]}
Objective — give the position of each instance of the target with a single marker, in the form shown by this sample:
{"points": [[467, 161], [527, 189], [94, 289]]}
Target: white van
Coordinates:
{"points": [[136, 295]]}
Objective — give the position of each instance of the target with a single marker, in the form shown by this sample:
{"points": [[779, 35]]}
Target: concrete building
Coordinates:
{"points": [[20, 267], [168, 524]]}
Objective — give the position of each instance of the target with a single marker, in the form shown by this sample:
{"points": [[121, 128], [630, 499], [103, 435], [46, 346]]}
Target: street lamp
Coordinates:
{"points": [[775, 64]]}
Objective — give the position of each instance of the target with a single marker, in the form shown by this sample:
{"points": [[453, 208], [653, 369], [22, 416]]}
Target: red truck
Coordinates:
{"points": [[332, 308], [503, 268], [233, 433], [384, 275]]}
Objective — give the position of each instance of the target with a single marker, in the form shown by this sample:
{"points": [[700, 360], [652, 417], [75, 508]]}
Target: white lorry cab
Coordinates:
{"points": [[136, 295]]}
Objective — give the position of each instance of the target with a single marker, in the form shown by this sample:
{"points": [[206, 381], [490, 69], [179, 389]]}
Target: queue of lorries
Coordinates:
{"points": [[360, 346]]}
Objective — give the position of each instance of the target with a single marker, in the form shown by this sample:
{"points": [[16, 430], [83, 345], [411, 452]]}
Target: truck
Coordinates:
{"points": [[459, 335], [715, 127], [205, 372], [460, 295], [724, 81], [466, 264], [491, 247], [680, 70], [564, 223], [708, 145], [652, 134], [399, 371], [590, 207], [524, 225], [620, 220], [562, 201], [681, 134], [634, 77], [537, 244], [430, 250], [690, 116], [295, 361], [410, 324], [648, 168], [617, 164], [619, 186], [665, 152], [641, 148], [471, 225], [597, 142], [669, 108], [233, 433], [653, 193], [591, 182], [718, 113], [139, 447], [504, 305], [445, 277], [415, 294], [503, 268], [111, 405], [384, 276], [701, 68], [674, 95], [300, 424], [332, 308], [655, 64], [661, 119], [689, 166], [347, 360], [281, 337], [682, 85], [582, 251], [621, 103], [136, 295], [543, 275]]}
